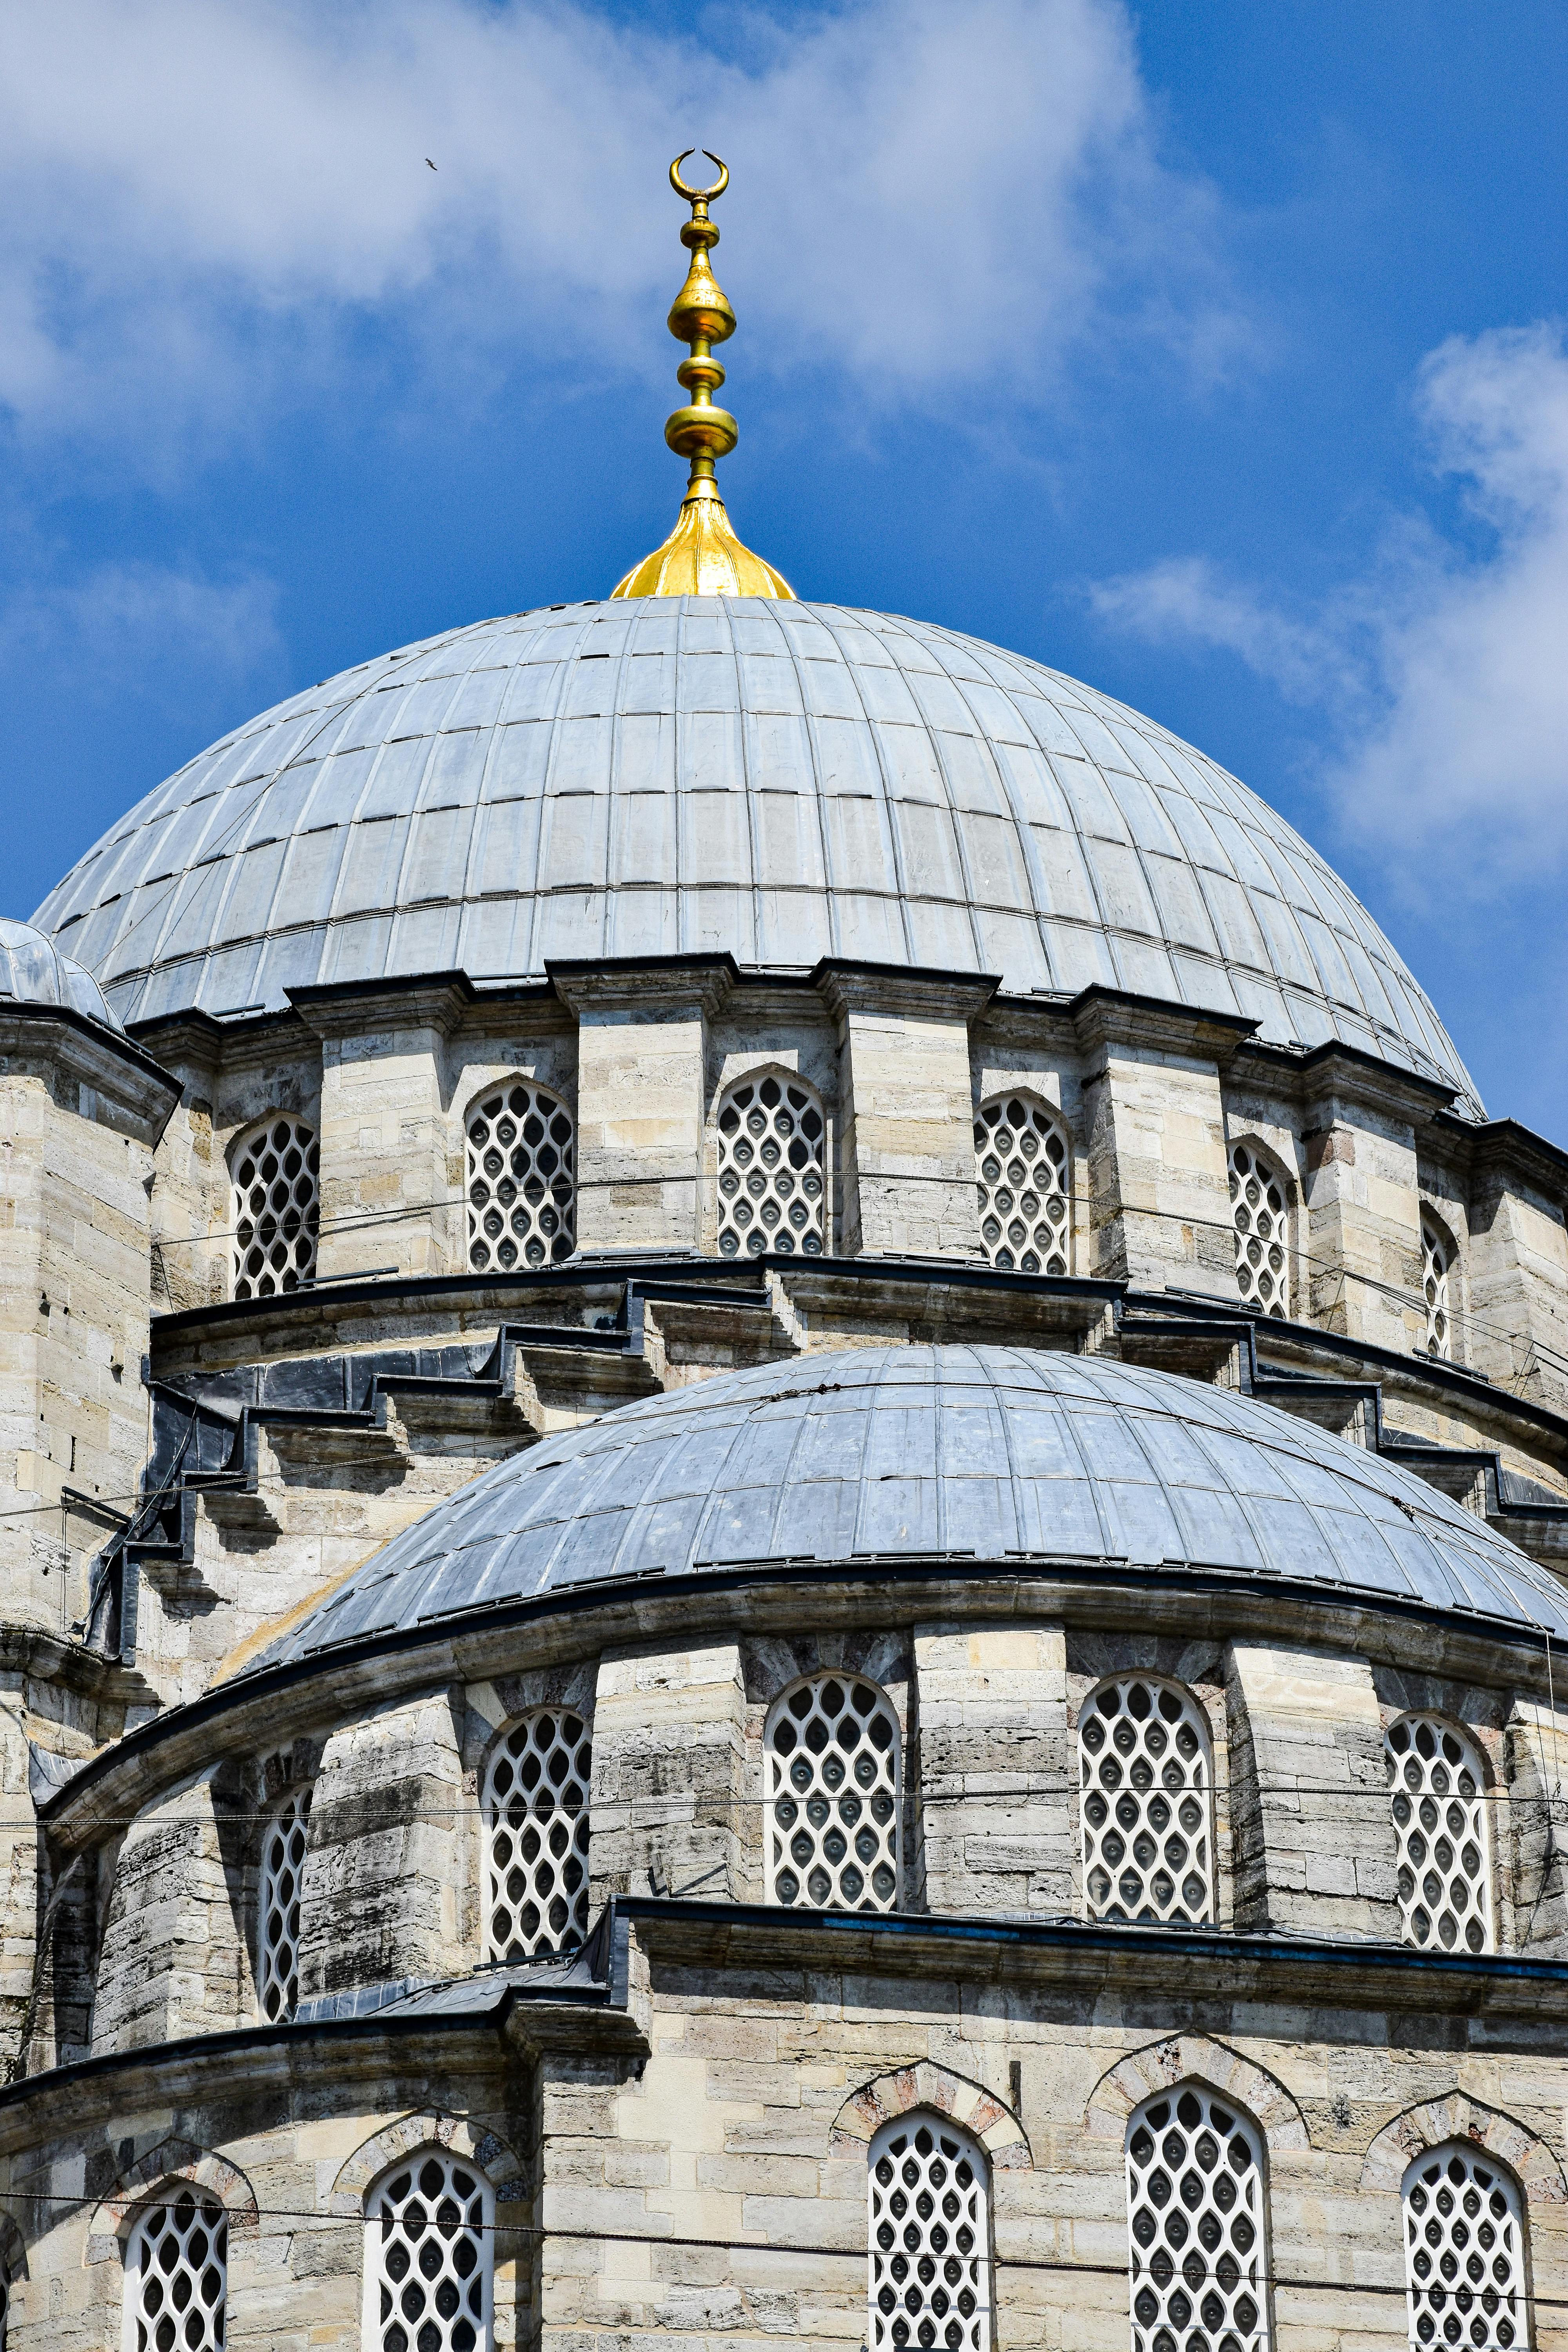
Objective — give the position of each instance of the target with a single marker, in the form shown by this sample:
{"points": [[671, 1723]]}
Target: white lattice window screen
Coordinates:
{"points": [[523, 1178], [282, 1868], [1198, 2258], [832, 1769], [1145, 1803], [771, 1191], [1463, 2253], [1439, 1791], [1022, 1176], [536, 1836], [427, 2281], [929, 2236], [1437, 1266], [276, 1172], [1260, 1206], [176, 2275]]}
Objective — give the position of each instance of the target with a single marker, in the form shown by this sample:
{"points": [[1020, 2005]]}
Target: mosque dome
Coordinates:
{"points": [[34, 972], [780, 780], [999, 1453]]}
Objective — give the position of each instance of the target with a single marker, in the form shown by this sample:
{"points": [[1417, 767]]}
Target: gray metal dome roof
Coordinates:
{"points": [[878, 1451], [783, 780], [34, 972]]}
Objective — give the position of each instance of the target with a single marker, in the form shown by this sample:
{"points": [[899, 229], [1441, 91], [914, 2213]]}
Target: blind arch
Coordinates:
{"points": [[521, 1177], [929, 2236], [1464, 2251], [1146, 1802], [429, 2272], [832, 1770], [275, 1201], [1023, 1162], [1197, 2225]]}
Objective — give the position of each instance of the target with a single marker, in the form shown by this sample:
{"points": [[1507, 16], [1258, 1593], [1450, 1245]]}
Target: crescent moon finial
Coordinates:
{"points": [[699, 196]]}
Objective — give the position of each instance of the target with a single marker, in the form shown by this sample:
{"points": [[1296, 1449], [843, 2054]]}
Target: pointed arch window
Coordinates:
{"points": [[929, 2234], [1198, 2260], [1260, 1209], [277, 1939], [176, 2275], [523, 1178], [832, 1774], [1024, 1181], [1146, 1803], [1463, 2253], [429, 2272], [276, 1206], [1437, 1788], [771, 1193], [536, 1818], [1436, 1278]]}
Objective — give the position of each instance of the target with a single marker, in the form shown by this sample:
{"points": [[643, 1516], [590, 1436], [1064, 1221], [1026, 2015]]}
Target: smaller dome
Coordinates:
{"points": [[1000, 1452], [34, 972]]}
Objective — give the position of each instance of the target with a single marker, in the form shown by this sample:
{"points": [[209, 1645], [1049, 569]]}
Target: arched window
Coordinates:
{"points": [[771, 1191], [1146, 1803], [1464, 2251], [277, 1912], [1438, 1791], [1260, 1207], [176, 2273], [1437, 1266], [832, 1769], [1198, 2260], [1022, 1176], [276, 1172], [535, 1805], [929, 2235], [428, 2276], [523, 1177]]}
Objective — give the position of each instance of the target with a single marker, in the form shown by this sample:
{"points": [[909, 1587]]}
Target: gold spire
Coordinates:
{"points": [[702, 556]]}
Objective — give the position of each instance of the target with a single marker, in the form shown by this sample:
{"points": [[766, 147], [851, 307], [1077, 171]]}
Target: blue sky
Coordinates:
{"points": [[1214, 353]]}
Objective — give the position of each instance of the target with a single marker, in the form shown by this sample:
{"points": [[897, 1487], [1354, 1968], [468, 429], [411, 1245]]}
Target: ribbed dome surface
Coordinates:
{"points": [[783, 780], [989, 1451], [34, 972]]}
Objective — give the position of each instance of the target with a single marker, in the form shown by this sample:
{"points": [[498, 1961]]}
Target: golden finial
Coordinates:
{"points": [[702, 556]]}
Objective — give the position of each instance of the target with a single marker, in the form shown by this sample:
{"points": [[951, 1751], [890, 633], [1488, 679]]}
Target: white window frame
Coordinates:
{"points": [[1153, 1811], [377, 2239], [1490, 2179], [1439, 1281], [1428, 1808], [303, 1205], [794, 1184], [1000, 1197], [165, 2202], [784, 1788], [503, 1191], [889, 2232], [1222, 2121], [561, 1831], [1262, 1226], [291, 1810]]}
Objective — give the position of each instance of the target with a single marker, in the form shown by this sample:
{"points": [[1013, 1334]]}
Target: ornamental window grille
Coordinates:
{"points": [[833, 1828], [276, 1172], [282, 1868], [772, 1194], [1145, 1803], [1464, 2251], [176, 2275], [1260, 1207], [1022, 1175], [1198, 2256], [536, 1836], [929, 2234], [428, 2279], [523, 1178], [1436, 1267], [1438, 1793]]}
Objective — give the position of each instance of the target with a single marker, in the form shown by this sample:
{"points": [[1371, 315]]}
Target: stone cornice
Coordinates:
{"points": [[645, 988], [348, 1008], [1106, 1017], [884, 988], [55, 1040], [1502, 1148], [1332, 1074]]}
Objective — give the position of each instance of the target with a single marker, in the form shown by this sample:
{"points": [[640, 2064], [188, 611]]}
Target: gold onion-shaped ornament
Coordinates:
{"points": [[702, 556]]}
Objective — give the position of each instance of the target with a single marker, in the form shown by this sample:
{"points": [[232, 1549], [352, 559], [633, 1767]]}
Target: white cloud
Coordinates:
{"points": [[1443, 668], [128, 634], [199, 194]]}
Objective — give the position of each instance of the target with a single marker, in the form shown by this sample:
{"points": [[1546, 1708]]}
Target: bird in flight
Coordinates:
{"points": [[432, 165]]}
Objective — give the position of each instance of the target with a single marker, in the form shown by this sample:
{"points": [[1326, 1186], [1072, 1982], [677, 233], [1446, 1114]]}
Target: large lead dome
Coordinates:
{"points": [[783, 780]]}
